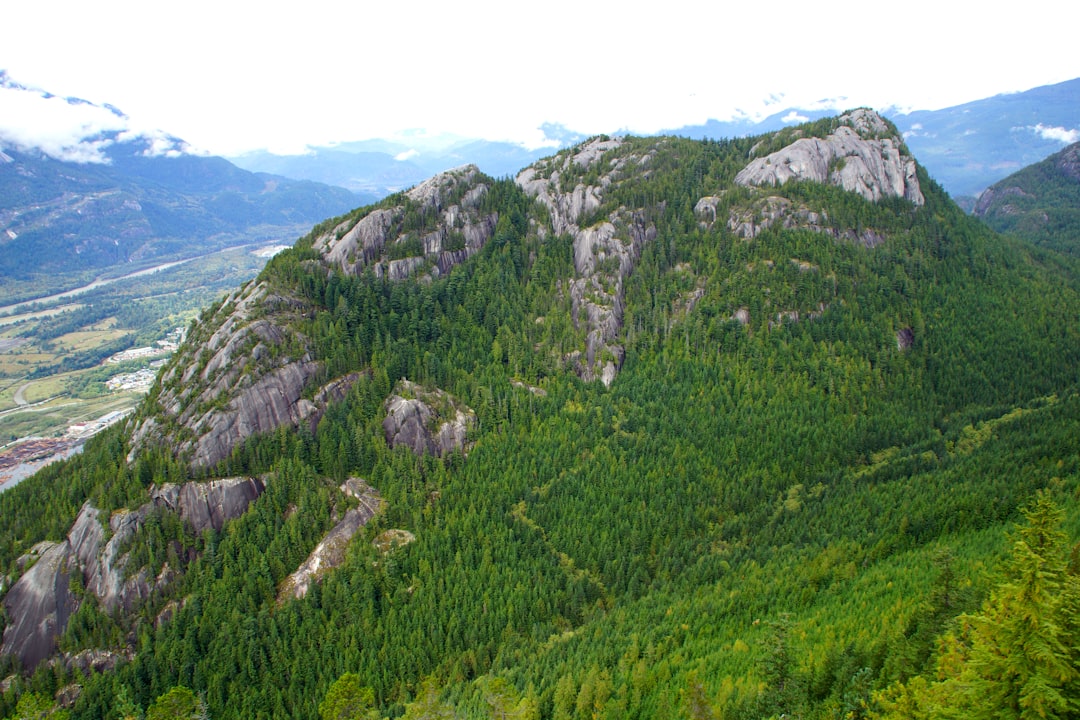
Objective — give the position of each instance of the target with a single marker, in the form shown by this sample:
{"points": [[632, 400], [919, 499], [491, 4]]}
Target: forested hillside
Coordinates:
{"points": [[755, 428], [1040, 203]]}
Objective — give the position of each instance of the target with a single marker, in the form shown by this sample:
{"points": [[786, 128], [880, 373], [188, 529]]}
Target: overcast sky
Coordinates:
{"points": [[231, 76]]}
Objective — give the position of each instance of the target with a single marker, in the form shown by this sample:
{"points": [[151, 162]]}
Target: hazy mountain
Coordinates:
{"points": [[61, 216], [965, 148], [103, 196], [378, 168], [657, 428], [1040, 203], [969, 147]]}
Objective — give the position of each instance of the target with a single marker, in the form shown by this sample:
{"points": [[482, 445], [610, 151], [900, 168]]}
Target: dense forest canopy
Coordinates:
{"points": [[794, 500]]}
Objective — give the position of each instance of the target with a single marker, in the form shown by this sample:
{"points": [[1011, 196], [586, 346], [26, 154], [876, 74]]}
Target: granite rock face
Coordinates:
{"points": [[208, 505], [606, 249], [247, 370], [330, 552], [40, 603], [429, 422], [863, 155], [455, 230], [248, 375]]}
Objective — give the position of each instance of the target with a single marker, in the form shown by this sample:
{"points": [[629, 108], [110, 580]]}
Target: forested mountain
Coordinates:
{"points": [[140, 206], [659, 428], [1040, 203]]}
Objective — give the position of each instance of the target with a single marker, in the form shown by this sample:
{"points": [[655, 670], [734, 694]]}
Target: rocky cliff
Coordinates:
{"points": [[246, 368], [864, 155], [40, 603], [435, 226], [572, 186]]}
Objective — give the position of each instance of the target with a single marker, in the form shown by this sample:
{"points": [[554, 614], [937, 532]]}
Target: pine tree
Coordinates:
{"points": [[1024, 660]]}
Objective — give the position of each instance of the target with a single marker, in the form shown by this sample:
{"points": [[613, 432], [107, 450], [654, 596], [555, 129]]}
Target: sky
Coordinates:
{"points": [[232, 76]]}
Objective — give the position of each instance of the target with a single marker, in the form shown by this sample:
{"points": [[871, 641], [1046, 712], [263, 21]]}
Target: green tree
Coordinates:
{"points": [[32, 706], [179, 703], [125, 708], [1024, 660], [505, 703], [347, 699], [1020, 656], [427, 705]]}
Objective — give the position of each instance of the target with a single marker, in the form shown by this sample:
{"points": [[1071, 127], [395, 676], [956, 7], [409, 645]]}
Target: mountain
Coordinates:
{"points": [[656, 428], [377, 168], [969, 147], [966, 147], [138, 208], [1040, 203]]}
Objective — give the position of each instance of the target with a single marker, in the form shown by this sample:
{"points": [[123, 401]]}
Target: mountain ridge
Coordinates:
{"points": [[801, 414]]}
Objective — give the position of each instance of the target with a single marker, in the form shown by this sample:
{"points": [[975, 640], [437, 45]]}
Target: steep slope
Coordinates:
{"points": [[640, 436], [1040, 203], [252, 363]]}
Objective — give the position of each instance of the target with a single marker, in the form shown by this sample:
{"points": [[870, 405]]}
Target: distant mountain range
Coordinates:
{"points": [[143, 205], [381, 167], [1040, 203], [966, 148], [969, 147], [58, 216]]}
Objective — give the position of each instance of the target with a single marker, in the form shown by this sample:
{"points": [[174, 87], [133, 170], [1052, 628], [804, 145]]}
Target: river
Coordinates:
{"points": [[101, 282]]}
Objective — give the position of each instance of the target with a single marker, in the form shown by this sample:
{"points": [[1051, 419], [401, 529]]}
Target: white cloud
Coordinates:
{"points": [[1060, 134], [407, 155], [330, 88], [63, 130], [794, 117]]}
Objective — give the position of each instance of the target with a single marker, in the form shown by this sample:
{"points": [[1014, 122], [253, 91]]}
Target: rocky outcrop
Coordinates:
{"points": [[429, 422], [236, 383], [437, 225], [95, 661], [781, 213], [249, 375], [208, 505], [864, 155], [606, 249], [905, 338], [40, 603], [247, 370], [330, 552]]}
